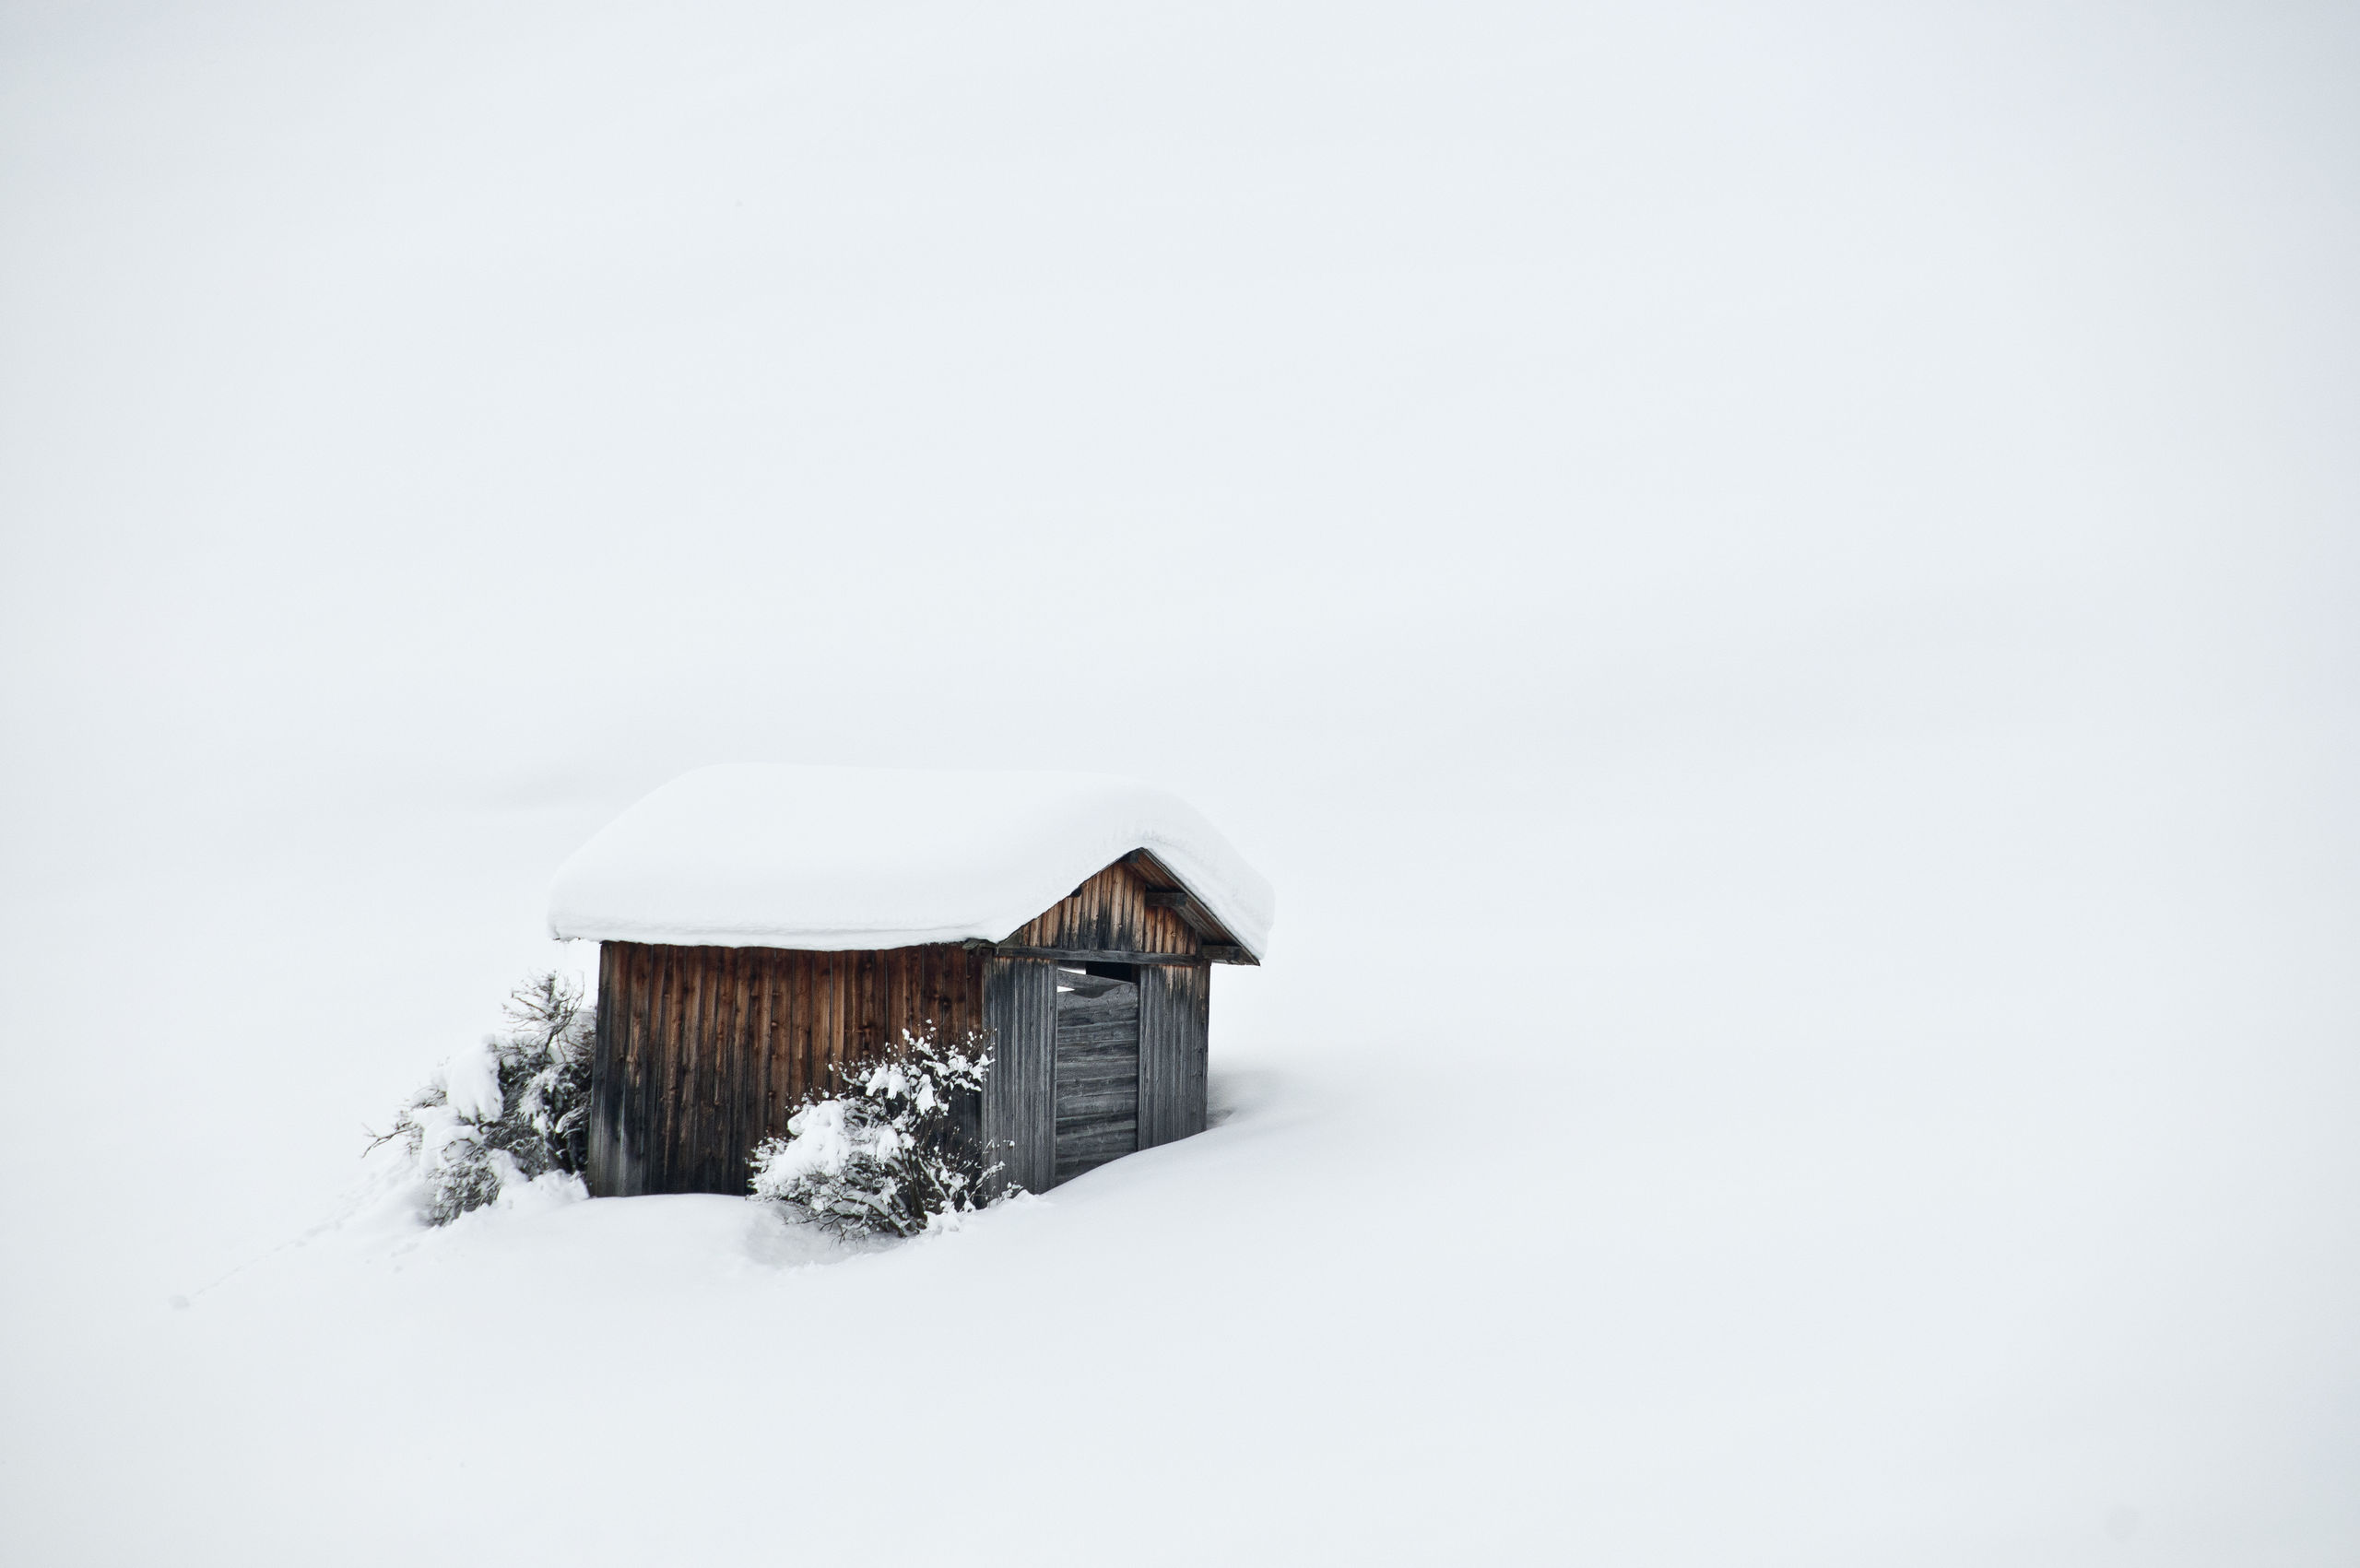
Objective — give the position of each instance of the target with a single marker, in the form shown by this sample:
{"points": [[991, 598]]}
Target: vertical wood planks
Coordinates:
{"points": [[634, 1116], [1020, 1111], [1175, 1013], [702, 1053], [1109, 913], [609, 1155]]}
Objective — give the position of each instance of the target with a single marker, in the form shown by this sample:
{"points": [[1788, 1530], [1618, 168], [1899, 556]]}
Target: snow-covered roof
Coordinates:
{"points": [[841, 858]]}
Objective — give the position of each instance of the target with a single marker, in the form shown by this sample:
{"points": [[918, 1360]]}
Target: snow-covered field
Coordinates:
{"points": [[1773, 590]]}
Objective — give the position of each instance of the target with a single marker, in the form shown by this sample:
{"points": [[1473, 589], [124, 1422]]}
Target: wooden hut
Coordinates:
{"points": [[758, 927]]}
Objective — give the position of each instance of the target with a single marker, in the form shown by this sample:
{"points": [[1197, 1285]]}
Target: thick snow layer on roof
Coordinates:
{"points": [[837, 858]]}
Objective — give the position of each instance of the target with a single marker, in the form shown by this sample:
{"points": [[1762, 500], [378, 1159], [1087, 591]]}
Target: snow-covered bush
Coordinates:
{"points": [[887, 1153], [515, 1108]]}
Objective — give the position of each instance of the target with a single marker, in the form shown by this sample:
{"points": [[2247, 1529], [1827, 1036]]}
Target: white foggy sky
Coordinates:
{"points": [[392, 388]]}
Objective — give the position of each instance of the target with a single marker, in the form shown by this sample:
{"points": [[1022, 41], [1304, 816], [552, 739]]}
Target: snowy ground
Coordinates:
{"points": [[1923, 1160], [1773, 590]]}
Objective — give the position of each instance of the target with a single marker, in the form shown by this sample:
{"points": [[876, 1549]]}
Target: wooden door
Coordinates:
{"points": [[1097, 1071]]}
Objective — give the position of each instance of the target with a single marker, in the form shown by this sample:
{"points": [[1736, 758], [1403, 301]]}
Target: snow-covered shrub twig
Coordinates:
{"points": [[887, 1153], [515, 1108]]}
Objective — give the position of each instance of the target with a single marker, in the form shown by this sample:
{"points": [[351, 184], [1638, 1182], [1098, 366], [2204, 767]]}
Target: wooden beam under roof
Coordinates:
{"points": [[1095, 955]]}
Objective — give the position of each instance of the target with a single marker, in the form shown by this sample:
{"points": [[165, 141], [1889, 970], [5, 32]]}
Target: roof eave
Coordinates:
{"points": [[1183, 901]]}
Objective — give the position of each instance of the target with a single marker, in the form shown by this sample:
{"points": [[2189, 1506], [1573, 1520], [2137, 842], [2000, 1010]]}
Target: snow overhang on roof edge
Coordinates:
{"points": [[840, 859]]}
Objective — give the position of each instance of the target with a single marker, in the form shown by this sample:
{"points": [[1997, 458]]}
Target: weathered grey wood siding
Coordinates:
{"points": [[1098, 1071], [1109, 913], [1176, 1013], [704, 1052], [1020, 1095]]}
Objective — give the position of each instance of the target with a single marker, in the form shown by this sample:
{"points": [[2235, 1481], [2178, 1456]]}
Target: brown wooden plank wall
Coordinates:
{"points": [[704, 1052], [1109, 913]]}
